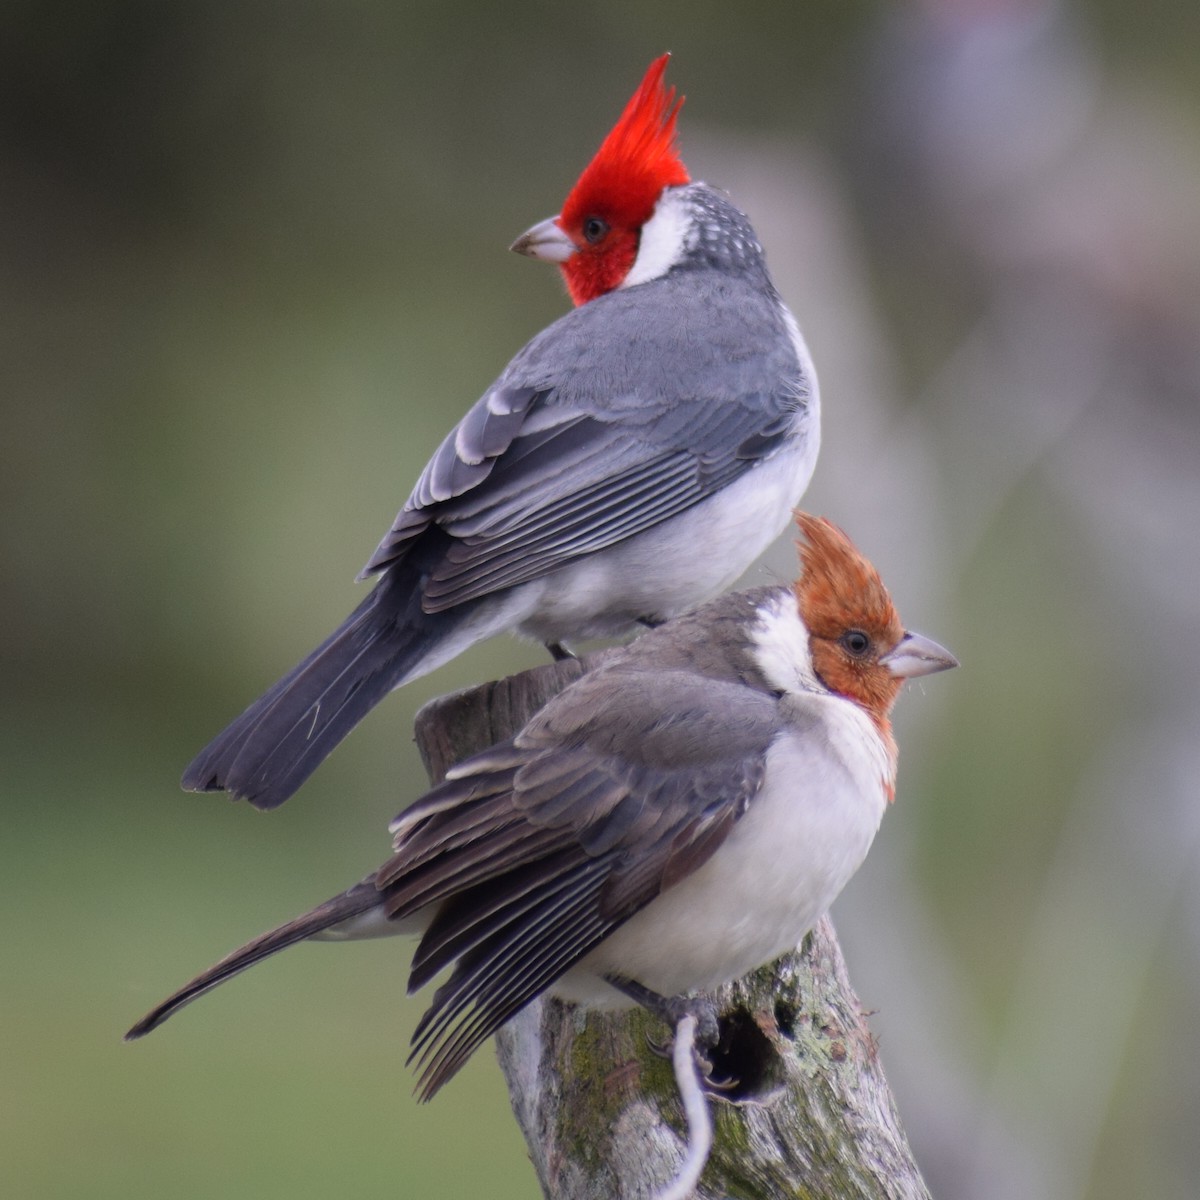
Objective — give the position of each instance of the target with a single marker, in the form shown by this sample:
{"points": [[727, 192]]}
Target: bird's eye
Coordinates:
{"points": [[855, 642], [594, 229]]}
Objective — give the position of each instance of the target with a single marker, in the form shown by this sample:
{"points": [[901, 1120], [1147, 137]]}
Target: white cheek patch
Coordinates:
{"points": [[663, 241], [781, 647]]}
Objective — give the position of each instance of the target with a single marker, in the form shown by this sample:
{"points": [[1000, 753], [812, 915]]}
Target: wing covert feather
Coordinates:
{"points": [[618, 789]]}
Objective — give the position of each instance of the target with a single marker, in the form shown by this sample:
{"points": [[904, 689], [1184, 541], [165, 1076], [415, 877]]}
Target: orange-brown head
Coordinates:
{"points": [[859, 647]]}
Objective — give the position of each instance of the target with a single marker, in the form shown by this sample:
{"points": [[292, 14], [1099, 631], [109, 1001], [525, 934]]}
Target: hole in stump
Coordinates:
{"points": [[744, 1054]]}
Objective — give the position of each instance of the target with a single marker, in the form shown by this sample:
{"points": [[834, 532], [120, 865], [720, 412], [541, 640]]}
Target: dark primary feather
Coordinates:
{"points": [[587, 485], [604, 803]]}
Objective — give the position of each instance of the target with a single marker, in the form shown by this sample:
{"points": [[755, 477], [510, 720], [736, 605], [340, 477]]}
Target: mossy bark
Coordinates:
{"points": [[810, 1114]]}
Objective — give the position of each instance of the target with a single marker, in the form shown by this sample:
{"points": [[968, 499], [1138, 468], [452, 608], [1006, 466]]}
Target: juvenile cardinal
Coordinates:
{"points": [[676, 406], [681, 814]]}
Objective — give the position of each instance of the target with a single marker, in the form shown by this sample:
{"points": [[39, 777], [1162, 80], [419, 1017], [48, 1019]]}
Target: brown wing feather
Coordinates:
{"points": [[622, 786]]}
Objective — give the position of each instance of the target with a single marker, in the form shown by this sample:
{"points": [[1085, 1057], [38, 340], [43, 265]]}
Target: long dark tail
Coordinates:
{"points": [[276, 744], [359, 899]]}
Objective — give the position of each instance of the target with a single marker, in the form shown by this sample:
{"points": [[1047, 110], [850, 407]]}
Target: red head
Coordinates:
{"points": [[603, 215]]}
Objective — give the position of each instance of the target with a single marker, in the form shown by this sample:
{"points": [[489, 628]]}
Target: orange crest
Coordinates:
{"points": [[837, 579]]}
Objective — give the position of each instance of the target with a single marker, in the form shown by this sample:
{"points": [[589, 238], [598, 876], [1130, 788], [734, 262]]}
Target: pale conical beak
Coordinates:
{"points": [[917, 655], [545, 241]]}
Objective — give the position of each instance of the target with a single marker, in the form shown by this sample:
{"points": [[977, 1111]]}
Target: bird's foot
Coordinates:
{"points": [[671, 1010]]}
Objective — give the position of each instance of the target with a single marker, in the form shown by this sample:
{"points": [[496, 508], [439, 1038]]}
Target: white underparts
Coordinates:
{"points": [[659, 572], [802, 838]]}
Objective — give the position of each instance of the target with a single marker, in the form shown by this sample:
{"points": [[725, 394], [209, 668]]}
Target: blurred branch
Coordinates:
{"points": [[809, 1111]]}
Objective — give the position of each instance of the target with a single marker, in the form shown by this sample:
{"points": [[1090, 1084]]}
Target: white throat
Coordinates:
{"points": [[664, 239]]}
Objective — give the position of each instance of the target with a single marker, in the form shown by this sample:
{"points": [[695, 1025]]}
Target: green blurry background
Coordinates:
{"points": [[254, 267]]}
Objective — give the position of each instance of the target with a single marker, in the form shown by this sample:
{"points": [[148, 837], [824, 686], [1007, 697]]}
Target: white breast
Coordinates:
{"points": [[677, 564], [804, 836]]}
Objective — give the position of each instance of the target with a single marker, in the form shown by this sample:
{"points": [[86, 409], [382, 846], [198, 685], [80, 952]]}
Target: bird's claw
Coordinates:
{"points": [[659, 1049], [672, 1010], [707, 1037], [704, 1065], [719, 1087]]}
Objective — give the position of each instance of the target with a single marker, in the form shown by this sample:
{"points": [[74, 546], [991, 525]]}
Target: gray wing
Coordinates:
{"points": [[598, 430], [539, 848]]}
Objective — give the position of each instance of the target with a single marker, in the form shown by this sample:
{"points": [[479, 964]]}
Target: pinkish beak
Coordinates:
{"points": [[917, 655], [545, 241]]}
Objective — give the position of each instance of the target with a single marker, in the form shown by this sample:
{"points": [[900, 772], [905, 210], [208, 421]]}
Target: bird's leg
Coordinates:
{"points": [[558, 651], [672, 1009]]}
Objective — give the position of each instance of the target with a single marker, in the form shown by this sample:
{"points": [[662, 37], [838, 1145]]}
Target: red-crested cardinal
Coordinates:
{"points": [[679, 815], [675, 407]]}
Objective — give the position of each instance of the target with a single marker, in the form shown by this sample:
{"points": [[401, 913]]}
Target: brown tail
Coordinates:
{"points": [[359, 899]]}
